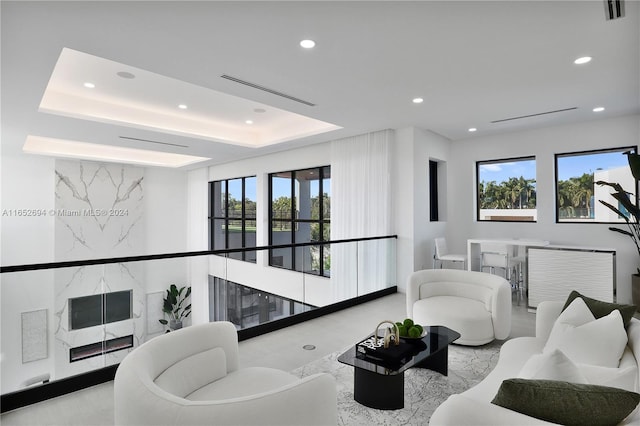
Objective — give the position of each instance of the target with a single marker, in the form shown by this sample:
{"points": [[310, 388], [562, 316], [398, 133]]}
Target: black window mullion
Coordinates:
{"points": [[320, 218], [226, 214], [292, 214], [242, 221]]}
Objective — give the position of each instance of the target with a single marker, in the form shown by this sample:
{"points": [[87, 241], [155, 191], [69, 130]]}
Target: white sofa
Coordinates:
{"points": [[191, 377], [474, 407], [475, 304]]}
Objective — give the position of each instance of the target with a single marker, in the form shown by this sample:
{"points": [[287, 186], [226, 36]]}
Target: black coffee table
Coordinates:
{"points": [[380, 383]]}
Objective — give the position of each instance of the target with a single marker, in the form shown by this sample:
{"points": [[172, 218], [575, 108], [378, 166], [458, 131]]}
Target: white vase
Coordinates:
{"points": [[175, 324]]}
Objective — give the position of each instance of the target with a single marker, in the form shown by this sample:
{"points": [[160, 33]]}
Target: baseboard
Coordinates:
{"points": [[39, 393]]}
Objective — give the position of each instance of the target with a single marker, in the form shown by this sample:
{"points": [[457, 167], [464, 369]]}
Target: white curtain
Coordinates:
{"points": [[360, 207]]}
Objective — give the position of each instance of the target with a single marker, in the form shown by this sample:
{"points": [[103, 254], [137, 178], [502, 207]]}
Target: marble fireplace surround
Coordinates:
{"points": [[100, 214]]}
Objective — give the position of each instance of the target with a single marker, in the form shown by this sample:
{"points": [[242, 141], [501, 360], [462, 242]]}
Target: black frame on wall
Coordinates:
{"points": [[433, 191], [557, 156], [478, 192], [100, 309], [291, 220], [228, 218]]}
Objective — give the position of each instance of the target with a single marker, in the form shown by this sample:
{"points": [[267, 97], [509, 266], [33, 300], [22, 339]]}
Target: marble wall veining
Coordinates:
{"points": [[99, 214]]}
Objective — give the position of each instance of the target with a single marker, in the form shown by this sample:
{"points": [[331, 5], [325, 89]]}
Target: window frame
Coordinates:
{"points": [[556, 156], [477, 187], [245, 256], [293, 221]]}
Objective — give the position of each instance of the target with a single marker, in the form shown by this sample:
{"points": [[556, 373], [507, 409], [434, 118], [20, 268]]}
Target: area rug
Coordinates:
{"points": [[425, 390]]}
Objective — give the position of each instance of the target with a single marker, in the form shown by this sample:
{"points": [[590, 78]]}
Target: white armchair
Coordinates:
{"points": [[475, 304], [191, 377]]}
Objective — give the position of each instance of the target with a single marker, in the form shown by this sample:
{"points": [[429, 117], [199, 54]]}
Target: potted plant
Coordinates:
{"points": [[632, 217], [173, 306]]}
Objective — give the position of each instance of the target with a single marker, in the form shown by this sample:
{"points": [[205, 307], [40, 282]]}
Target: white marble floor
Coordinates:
{"points": [[281, 349]]}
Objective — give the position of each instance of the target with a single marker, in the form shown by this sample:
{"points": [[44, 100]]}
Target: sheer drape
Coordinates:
{"points": [[360, 207]]}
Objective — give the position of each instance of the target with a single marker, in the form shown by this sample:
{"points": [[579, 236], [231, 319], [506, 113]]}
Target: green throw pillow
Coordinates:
{"points": [[566, 403], [601, 309]]}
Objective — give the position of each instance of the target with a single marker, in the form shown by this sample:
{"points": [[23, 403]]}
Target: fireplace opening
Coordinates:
{"points": [[100, 348]]}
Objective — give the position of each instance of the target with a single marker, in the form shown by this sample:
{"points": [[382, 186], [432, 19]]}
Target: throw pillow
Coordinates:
{"points": [[586, 340], [623, 378], [566, 403], [553, 365], [600, 308]]}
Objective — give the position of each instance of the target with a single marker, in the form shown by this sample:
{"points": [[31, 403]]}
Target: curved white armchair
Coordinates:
{"points": [[191, 377], [475, 304]]}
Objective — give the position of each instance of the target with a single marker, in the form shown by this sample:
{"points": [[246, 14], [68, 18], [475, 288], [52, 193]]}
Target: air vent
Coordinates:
{"points": [[613, 9], [266, 89], [534, 115], [150, 141]]}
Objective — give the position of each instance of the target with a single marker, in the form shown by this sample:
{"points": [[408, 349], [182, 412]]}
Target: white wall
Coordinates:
{"points": [[198, 240], [410, 183], [166, 221], [27, 183], [543, 144]]}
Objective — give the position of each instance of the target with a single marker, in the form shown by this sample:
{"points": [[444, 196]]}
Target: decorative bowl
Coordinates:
{"points": [[414, 339]]}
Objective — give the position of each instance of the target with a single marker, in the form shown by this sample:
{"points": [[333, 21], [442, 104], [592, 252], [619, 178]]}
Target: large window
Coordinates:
{"points": [[300, 212], [507, 190], [577, 195], [232, 216]]}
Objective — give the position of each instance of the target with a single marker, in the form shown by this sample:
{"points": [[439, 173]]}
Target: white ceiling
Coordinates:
{"points": [[473, 63]]}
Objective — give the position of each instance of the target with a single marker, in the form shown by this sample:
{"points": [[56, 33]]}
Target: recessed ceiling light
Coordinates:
{"points": [[308, 44], [598, 109], [582, 60], [89, 85], [125, 74], [259, 110], [249, 121], [182, 106], [472, 129], [418, 100]]}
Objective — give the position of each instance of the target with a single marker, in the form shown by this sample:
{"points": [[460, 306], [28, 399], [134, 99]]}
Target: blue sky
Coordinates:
{"points": [[576, 166], [501, 172], [571, 166]]}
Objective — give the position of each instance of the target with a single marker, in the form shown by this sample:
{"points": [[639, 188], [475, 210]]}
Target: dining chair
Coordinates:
{"points": [[498, 256], [441, 254]]}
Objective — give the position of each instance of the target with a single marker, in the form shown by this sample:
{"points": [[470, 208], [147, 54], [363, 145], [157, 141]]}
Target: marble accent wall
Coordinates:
{"points": [[99, 213]]}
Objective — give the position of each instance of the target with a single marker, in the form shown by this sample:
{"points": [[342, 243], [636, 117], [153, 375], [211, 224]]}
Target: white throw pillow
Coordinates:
{"points": [[553, 365], [585, 340], [622, 378]]}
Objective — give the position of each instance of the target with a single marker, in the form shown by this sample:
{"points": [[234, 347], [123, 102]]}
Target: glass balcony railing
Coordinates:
{"points": [[63, 320]]}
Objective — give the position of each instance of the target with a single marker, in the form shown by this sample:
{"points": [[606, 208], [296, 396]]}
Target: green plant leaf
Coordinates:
{"points": [[634, 164], [614, 209], [164, 321], [622, 231]]}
